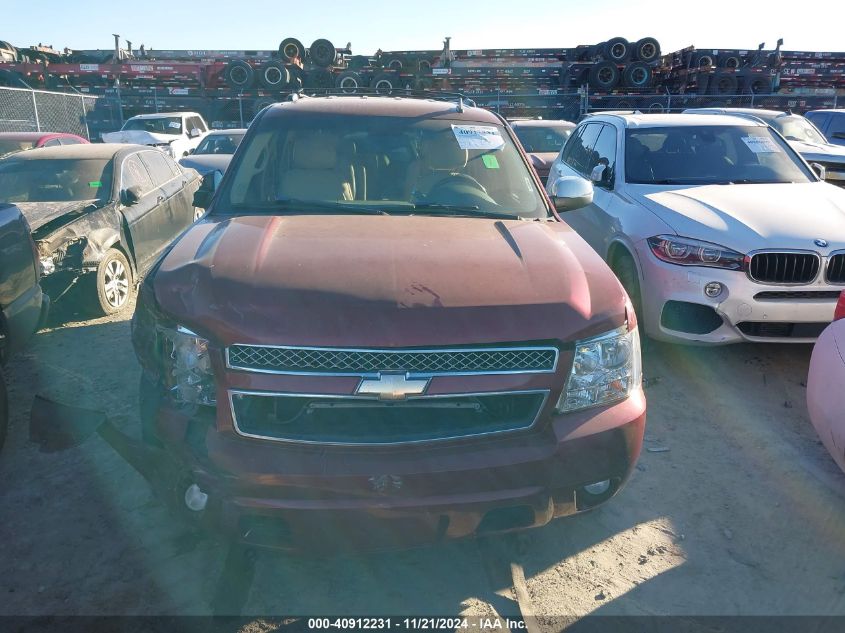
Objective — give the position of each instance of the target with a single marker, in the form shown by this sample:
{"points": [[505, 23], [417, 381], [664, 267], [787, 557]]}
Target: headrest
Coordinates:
{"points": [[441, 152], [316, 151]]}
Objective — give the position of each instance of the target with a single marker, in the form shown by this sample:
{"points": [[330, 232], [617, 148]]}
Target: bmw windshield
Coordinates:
{"points": [[381, 164], [710, 154]]}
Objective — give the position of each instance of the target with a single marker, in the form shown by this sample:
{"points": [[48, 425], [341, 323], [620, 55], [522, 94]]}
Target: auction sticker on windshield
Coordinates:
{"points": [[760, 144], [478, 137]]}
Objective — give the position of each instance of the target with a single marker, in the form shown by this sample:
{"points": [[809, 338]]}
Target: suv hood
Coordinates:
{"points": [[382, 281], [38, 214], [751, 217], [819, 151], [138, 137]]}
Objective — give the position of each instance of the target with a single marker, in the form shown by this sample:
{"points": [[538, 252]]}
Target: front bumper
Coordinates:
{"points": [[334, 498], [745, 316]]}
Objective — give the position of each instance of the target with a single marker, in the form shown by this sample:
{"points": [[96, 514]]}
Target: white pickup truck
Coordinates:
{"points": [[175, 133]]}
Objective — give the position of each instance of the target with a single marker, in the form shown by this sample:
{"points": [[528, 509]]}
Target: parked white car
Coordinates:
{"points": [[804, 137], [175, 133], [715, 226], [825, 396]]}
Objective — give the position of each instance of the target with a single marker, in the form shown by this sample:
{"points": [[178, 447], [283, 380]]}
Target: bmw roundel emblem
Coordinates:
{"points": [[820, 243]]}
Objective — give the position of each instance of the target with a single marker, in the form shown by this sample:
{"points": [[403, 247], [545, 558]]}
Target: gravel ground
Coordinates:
{"points": [[735, 508]]}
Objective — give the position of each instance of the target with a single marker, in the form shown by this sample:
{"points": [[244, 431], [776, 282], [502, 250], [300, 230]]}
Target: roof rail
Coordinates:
{"points": [[436, 95], [612, 112]]}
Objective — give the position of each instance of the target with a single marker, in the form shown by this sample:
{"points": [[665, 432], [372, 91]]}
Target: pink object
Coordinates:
{"points": [[826, 389]]}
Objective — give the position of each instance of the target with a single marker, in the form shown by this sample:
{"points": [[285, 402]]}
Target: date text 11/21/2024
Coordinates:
{"points": [[417, 624]]}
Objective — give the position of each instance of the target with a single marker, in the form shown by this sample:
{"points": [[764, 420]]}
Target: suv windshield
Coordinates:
{"points": [[797, 128], [380, 163], [55, 180], [712, 154], [162, 125], [542, 139]]}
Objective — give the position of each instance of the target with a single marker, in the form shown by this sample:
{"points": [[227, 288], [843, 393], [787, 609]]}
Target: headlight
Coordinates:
{"points": [[605, 369], [47, 265], [688, 252], [187, 372], [167, 148]]}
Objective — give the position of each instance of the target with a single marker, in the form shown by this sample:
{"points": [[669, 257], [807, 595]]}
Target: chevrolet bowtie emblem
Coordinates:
{"points": [[392, 386]]}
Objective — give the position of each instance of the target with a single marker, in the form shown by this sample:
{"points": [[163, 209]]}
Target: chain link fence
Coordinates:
{"points": [[24, 110], [678, 102]]}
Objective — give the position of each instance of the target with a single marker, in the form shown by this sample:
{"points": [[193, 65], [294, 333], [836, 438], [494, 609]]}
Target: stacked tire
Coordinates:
{"points": [[620, 62]]}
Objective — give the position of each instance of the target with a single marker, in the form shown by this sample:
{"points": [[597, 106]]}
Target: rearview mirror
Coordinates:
{"points": [[131, 196], [205, 193], [570, 193], [820, 170]]}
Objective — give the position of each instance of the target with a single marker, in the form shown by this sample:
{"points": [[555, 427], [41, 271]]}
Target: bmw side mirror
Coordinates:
{"points": [[821, 170], [570, 193], [131, 196]]}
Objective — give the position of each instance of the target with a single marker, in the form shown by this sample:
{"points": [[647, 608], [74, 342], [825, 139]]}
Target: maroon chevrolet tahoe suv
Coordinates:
{"points": [[382, 334]]}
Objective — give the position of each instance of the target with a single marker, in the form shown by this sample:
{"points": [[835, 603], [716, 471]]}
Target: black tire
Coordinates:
{"points": [[637, 75], [617, 50], [760, 85], [604, 76], [239, 75], [323, 53], [625, 269], [349, 82], [724, 83], [319, 79], [647, 49], [656, 108], [291, 48], [4, 411], [114, 283], [703, 61], [274, 75], [260, 104], [730, 61], [383, 83]]}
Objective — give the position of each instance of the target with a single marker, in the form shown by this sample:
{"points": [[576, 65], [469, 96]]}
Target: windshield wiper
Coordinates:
{"points": [[464, 211], [287, 204]]}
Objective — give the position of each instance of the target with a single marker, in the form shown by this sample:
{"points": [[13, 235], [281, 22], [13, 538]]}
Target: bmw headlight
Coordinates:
{"points": [[605, 369], [688, 252], [187, 372]]}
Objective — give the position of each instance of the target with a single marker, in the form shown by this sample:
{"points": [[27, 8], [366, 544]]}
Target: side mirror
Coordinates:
{"points": [[131, 196], [821, 170], [570, 193], [194, 132], [205, 193]]}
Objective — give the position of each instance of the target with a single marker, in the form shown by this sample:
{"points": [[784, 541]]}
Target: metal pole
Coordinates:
{"points": [[85, 118], [155, 99], [35, 110], [241, 107]]}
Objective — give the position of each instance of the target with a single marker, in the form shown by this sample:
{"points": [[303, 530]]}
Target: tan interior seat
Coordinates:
{"points": [[317, 172]]}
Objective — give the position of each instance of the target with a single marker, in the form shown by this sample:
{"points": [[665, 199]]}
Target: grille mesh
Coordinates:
{"points": [[784, 268], [836, 269], [340, 361]]}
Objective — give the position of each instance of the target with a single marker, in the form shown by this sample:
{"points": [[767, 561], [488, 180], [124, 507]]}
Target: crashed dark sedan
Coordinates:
{"points": [[100, 214]]}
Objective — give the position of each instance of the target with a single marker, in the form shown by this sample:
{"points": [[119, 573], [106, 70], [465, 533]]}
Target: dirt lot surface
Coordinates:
{"points": [[735, 508]]}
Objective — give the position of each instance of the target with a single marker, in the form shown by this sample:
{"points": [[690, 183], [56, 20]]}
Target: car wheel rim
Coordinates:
{"points": [[639, 76], [618, 51], [291, 51], [348, 84], [116, 284]]}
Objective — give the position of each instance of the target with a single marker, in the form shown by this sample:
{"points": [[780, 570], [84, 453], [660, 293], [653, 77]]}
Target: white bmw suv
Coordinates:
{"points": [[719, 231]]}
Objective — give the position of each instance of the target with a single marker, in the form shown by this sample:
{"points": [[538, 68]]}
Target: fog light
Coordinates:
{"points": [[713, 289], [195, 498], [48, 266], [598, 488]]}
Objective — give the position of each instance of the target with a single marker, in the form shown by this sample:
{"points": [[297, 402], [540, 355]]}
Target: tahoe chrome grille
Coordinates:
{"points": [[784, 268], [836, 268], [340, 361]]}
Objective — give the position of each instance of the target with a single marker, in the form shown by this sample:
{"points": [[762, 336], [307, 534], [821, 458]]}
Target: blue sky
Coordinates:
{"points": [[373, 24]]}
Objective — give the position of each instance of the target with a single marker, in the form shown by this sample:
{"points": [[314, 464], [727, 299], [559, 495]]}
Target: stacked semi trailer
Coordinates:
{"points": [[229, 86]]}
